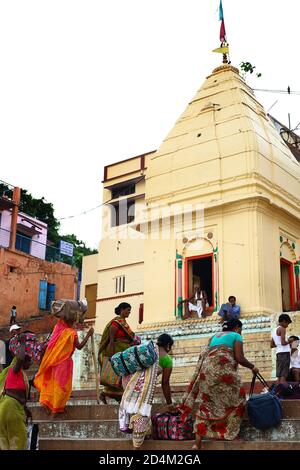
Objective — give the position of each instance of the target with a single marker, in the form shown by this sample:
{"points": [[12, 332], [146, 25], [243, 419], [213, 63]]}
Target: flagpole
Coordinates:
{"points": [[223, 49]]}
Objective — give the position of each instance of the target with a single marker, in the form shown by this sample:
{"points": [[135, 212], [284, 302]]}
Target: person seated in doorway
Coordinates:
{"points": [[230, 310], [198, 302]]}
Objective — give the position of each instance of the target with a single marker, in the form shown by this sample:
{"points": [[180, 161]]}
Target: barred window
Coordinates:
{"points": [[119, 284]]}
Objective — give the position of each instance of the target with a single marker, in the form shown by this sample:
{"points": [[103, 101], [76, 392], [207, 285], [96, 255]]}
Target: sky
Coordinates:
{"points": [[87, 83]]}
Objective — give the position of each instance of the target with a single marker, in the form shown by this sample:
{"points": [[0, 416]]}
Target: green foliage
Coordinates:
{"points": [[247, 67], [80, 248], [44, 211], [41, 210]]}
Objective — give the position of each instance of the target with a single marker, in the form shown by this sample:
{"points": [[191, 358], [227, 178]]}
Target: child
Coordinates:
{"points": [[283, 350], [295, 357], [13, 315]]}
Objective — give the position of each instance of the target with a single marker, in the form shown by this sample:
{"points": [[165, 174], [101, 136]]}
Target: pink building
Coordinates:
{"points": [[31, 274], [31, 235]]}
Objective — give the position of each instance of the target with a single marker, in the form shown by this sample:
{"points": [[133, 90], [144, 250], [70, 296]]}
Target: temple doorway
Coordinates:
{"points": [[199, 271], [287, 285]]}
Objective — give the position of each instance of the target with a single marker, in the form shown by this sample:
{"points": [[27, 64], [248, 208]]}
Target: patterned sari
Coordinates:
{"points": [[136, 404], [123, 332], [54, 377], [13, 431], [221, 397]]}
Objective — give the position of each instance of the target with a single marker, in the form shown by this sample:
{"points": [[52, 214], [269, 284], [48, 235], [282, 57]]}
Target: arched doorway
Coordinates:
{"points": [[287, 285]]}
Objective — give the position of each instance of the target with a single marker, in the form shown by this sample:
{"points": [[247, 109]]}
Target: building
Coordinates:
{"points": [[89, 284], [217, 204], [29, 278]]}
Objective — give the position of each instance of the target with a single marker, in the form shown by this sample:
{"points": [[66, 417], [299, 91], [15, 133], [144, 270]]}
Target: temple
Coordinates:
{"points": [[217, 205]]}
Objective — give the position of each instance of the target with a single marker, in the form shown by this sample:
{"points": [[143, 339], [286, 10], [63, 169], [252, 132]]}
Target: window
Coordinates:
{"points": [[23, 243], [119, 284], [122, 212], [122, 190]]}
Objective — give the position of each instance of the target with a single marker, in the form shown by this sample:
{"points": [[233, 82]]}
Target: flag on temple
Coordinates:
{"points": [[221, 13], [222, 28], [224, 49]]}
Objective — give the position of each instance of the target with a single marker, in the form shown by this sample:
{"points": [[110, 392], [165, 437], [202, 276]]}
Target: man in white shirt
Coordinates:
{"points": [[198, 302], [283, 349], [295, 357]]}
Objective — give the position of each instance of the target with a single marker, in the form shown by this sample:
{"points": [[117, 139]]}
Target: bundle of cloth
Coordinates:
{"points": [[71, 311], [33, 348]]}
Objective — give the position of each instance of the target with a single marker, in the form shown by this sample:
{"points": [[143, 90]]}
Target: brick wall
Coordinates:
{"points": [[20, 276]]}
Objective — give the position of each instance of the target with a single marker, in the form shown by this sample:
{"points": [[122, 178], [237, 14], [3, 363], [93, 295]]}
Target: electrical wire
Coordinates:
{"points": [[100, 205], [284, 92]]}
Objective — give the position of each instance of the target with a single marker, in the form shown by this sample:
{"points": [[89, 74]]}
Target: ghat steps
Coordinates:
{"points": [[89, 426]]}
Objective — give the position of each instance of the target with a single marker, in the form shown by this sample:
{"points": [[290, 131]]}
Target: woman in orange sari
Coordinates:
{"points": [[117, 336], [54, 377]]}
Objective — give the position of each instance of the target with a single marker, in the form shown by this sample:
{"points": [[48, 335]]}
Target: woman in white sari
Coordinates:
{"points": [[139, 389]]}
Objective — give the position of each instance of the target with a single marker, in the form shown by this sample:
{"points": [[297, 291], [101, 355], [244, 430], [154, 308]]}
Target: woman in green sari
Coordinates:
{"points": [[117, 336], [14, 390]]}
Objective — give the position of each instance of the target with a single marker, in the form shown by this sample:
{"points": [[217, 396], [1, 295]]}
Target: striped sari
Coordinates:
{"points": [[113, 390], [54, 377], [217, 385], [136, 404]]}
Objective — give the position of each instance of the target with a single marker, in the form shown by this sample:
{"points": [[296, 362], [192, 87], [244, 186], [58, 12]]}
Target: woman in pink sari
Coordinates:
{"points": [[54, 377]]}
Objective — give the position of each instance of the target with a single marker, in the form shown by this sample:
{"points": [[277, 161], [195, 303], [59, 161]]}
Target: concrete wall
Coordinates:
{"points": [[89, 280], [89, 272], [191, 338], [20, 276]]}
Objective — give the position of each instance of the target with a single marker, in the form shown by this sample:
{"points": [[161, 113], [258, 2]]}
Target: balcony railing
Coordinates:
{"points": [[6, 190], [34, 248], [6, 195]]}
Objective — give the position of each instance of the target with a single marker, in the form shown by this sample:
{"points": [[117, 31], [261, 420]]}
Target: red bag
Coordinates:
{"points": [[169, 426]]}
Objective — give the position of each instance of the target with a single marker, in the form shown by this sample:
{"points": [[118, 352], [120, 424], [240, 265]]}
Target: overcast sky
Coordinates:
{"points": [[87, 83]]}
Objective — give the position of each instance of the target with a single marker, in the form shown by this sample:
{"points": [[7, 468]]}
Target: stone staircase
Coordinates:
{"points": [[89, 426]]}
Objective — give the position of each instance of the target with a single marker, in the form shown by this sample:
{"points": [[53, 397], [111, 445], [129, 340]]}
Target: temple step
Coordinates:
{"points": [[89, 410], [117, 444]]}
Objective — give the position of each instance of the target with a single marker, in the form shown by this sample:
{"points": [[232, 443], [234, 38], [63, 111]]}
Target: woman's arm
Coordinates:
{"points": [[79, 345], [112, 336], [240, 358], [165, 383]]}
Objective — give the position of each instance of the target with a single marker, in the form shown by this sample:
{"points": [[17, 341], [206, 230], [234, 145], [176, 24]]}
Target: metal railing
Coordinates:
{"points": [[35, 248], [6, 190]]}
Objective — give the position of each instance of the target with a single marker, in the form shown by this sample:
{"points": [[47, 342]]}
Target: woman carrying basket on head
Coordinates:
{"points": [[54, 377]]}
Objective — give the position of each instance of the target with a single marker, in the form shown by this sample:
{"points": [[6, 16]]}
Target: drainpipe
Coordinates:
{"points": [[14, 218]]}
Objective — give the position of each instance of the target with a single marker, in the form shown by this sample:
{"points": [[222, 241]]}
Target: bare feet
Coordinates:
{"points": [[198, 442], [47, 410], [103, 398]]}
